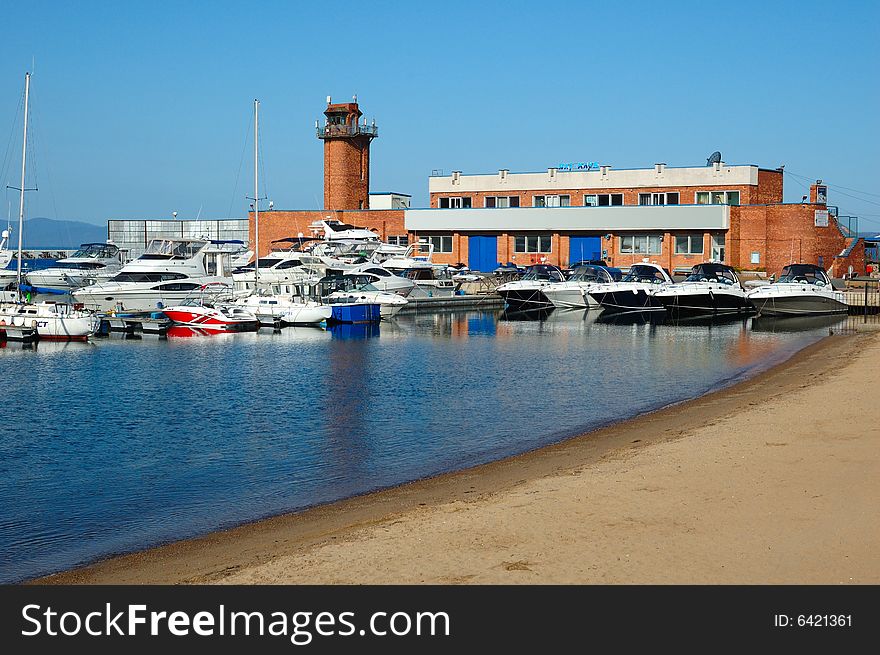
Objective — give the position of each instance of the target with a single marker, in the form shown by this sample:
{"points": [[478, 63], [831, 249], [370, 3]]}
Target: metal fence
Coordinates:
{"points": [[863, 298]]}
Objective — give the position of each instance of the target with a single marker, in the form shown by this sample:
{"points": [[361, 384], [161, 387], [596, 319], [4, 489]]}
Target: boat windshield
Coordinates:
{"points": [[172, 249], [712, 273], [265, 262], [804, 273], [96, 251], [543, 272], [590, 274], [642, 273]]}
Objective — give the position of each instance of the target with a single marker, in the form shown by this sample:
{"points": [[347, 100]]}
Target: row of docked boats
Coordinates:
{"points": [[711, 289]]}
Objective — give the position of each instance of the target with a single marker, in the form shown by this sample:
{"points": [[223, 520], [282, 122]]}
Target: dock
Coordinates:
{"points": [[18, 333], [134, 324], [468, 301]]}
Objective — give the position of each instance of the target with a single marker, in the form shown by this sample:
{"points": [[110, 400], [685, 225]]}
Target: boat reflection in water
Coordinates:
{"points": [[798, 323], [354, 330], [186, 331], [631, 318], [539, 314]]}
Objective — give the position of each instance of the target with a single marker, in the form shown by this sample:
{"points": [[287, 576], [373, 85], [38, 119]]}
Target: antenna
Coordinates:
{"points": [[714, 158]]}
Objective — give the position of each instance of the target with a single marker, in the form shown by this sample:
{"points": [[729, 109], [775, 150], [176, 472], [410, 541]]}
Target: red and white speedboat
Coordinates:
{"points": [[226, 317], [213, 314]]}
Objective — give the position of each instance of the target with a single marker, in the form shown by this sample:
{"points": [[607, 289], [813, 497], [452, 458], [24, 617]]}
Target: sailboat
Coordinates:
{"points": [[271, 309], [45, 320]]}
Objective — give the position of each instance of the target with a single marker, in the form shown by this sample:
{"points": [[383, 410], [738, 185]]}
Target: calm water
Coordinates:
{"points": [[123, 444]]}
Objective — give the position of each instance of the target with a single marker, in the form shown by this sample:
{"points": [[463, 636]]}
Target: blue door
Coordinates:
{"points": [[582, 248], [483, 253]]}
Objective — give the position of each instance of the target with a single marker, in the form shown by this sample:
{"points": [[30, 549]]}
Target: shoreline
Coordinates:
{"points": [[221, 555]]}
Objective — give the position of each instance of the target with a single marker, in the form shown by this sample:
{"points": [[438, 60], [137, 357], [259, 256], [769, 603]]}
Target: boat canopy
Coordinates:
{"points": [[173, 248], [646, 273], [544, 272], [712, 272], [592, 274], [808, 273], [96, 251]]}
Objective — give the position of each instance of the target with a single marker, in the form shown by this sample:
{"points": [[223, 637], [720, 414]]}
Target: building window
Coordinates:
{"points": [[717, 197], [603, 200], [689, 244], [668, 198], [537, 243], [442, 244], [641, 244], [463, 202], [551, 201], [399, 240], [502, 201]]}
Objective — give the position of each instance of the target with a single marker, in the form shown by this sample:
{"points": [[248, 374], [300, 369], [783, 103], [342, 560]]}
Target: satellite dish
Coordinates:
{"points": [[714, 158]]}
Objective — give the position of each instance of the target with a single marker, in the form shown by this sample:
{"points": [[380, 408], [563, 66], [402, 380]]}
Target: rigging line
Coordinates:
{"points": [[836, 186], [240, 163], [4, 170], [848, 195]]}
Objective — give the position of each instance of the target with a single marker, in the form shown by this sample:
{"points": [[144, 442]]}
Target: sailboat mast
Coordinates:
{"points": [[27, 87], [256, 195]]}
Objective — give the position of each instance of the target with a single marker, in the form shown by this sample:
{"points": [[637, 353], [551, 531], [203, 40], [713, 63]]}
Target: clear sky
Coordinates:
{"points": [[145, 108]]}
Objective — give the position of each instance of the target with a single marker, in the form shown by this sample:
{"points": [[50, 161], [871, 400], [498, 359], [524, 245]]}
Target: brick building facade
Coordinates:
{"points": [[677, 217]]}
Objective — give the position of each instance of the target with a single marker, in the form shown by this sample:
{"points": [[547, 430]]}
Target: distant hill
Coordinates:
{"points": [[47, 234]]}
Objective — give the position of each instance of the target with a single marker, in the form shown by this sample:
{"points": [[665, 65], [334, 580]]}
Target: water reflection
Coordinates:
{"points": [[139, 442], [797, 323]]}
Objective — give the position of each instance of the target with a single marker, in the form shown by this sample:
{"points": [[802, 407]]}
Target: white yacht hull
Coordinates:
{"points": [[143, 297], [800, 302], [570, 296], [50, 322]]}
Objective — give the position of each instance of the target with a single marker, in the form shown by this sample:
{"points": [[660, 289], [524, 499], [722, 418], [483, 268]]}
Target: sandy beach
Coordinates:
{"points": [[774, 480]]}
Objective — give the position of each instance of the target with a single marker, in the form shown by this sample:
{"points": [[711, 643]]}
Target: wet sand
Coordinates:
{"points": [[774, 480]]}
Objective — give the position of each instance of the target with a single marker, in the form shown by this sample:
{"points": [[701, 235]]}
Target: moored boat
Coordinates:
{"points": [[711, 289], [635, 291], [527, 293], [801, 290]]}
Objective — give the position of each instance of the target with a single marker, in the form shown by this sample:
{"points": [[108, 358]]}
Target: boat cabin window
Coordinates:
{"points": [[290, 263], [147, 277], [179, 286]]}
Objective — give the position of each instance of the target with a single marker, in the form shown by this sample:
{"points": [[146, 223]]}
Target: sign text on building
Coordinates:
{"points": [[578, 166]]}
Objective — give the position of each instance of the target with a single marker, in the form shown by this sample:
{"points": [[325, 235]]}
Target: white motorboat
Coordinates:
{"points": [[635, 291], [333, 230], [712, 289], [528, 293], [382, 279], [271, 309], [360, 289], [54, 321], [416, 255], [93, 262], [801, 290], [277, 269], [574, 293], [5, 252], [168, 272]]}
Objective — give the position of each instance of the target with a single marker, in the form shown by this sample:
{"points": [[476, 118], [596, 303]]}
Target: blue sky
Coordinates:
{"points": [[142, 109]]}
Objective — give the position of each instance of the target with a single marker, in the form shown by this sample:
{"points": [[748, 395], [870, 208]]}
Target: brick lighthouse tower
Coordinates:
{"points": [[346, 156]]}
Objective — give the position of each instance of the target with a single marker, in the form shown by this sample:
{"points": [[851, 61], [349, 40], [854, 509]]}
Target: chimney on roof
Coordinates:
{"points": [[659, 168]]}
